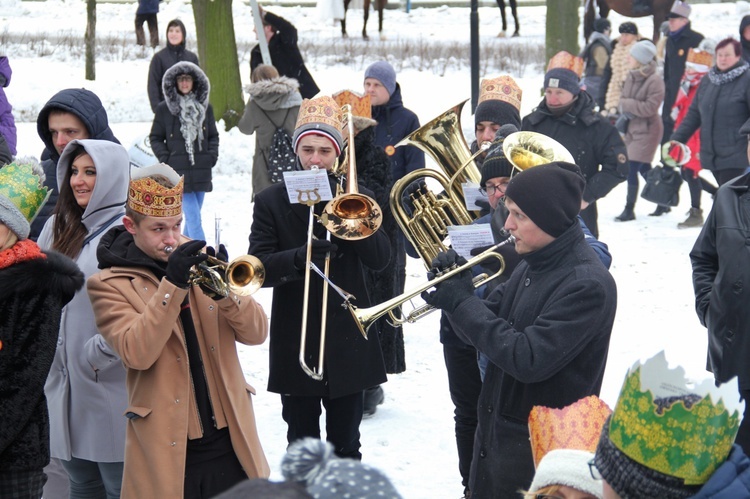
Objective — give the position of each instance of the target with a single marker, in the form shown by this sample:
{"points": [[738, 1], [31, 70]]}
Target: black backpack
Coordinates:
{"points": [[281, 157]]}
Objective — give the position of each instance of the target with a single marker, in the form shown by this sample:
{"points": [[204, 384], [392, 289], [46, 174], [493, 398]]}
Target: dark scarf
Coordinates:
{"points": [[719, 78], [558, 111]]}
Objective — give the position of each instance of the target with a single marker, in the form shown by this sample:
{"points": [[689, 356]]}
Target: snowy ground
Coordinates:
{"points": [[411, 436]]}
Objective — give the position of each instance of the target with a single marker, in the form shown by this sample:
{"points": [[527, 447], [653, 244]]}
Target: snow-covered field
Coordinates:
{"points": [[411, 436]]}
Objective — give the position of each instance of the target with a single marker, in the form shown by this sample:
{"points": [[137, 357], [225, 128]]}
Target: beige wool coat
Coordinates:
{"points": [[642, 98], [133, 313]]}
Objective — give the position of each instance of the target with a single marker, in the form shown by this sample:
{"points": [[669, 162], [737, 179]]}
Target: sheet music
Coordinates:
{"points": [[307, 186], [464, 238], [471, 194]]}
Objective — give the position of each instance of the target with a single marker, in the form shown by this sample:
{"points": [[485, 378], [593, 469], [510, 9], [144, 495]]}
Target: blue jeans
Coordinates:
{"points": [[192, 202], [91, 480]]}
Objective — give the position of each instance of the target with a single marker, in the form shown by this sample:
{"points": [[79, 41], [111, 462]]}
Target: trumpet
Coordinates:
{"points": [[242, 276], [366, 317]]}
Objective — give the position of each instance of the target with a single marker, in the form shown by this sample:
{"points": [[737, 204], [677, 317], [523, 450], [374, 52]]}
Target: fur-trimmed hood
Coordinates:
{"points": [[201, 85], [277, 93]]}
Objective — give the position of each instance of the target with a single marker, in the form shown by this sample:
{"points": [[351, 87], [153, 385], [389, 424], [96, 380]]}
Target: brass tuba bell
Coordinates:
{"points": [[527, 149]]}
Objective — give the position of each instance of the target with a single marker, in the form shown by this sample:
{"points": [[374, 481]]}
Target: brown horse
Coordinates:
{"points": [[379, 5], [628, 8], [514, 13]]}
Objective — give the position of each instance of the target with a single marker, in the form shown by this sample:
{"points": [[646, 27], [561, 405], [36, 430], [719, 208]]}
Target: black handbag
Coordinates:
{"points": [[622, 122], [662, 186]]}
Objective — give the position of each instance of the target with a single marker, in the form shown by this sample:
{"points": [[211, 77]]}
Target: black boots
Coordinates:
{"points": [[660, 210], [627, 214], [373, 398]]}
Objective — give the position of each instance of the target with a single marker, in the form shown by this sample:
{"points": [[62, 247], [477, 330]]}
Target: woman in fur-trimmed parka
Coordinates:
{"points": [[274, 102], [184, 136]]}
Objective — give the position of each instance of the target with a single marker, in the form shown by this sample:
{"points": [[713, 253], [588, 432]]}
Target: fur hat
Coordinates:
{"points": [[22, 195], [148, 197], [628, 27], [319, 116], [549, 194], [643, 51], [201, 85], [312, 463], [679, 9], [496, 164], [602, 24], [384, 73], [569, 467]]}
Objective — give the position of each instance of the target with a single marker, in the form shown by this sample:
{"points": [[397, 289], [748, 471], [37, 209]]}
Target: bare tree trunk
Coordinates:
{"points": [[217, 50], [562, 27], [90, 40]]}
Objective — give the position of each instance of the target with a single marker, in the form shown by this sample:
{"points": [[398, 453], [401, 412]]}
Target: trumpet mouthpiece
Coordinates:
{"points": [[168, 249]]}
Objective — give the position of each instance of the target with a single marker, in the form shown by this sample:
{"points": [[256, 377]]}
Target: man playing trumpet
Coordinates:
{"points": [[278, 237], [191, 427]]}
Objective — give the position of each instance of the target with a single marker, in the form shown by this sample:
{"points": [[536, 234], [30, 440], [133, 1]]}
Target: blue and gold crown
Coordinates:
{"points": [[22, 195]]}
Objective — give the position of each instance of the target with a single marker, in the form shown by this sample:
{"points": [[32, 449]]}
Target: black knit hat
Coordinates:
{"points": [[628, 27], [632, 480], [602, 24], [550, 195], [496, 164], [562, 78], [498, 112]]}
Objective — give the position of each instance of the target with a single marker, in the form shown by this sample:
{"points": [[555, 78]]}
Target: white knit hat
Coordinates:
{"points": [[567, 467]]}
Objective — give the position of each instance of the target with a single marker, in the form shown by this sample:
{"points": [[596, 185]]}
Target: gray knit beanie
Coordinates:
{"points": [[384, 73], [643, 51]]}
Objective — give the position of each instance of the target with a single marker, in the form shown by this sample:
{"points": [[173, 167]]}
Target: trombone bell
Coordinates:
{"points": [[528, 149]]}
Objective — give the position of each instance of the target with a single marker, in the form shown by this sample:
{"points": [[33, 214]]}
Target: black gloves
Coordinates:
{"points": [[416, 188], [319, 249], [222, 255], [182, 260], [450, 293], [492, 265]]}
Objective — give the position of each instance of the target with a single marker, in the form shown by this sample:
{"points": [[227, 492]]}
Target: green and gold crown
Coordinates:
{"points": [[22, 195], [667, 426]]}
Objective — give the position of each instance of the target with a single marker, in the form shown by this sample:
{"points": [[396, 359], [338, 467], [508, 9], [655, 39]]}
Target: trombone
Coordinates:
{"points": [[349, 215], [366, 317]]}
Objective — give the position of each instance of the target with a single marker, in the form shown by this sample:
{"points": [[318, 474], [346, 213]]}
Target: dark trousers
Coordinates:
{"points": [[464, 384], [153, 29], [590, 217], [724, 176], [696, 184], [211, 478], [343, 416]]}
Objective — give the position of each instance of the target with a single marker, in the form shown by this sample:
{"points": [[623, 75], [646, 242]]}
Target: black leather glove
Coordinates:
{"points": [[222, 255], [319, 249], [450, 293], [182, 260], [416, 188]]}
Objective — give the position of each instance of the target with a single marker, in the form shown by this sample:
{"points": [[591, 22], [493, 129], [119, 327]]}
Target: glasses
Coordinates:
{"points": [[182, 78], [594, 471], [490, 189]]}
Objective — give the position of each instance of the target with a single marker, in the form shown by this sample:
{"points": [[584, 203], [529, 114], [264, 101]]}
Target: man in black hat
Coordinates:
{"points": [[545, 331]]}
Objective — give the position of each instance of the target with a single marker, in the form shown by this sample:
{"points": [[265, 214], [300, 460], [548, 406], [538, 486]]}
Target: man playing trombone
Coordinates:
{"points": [[545, 331], [279, 238], [191, 427]]}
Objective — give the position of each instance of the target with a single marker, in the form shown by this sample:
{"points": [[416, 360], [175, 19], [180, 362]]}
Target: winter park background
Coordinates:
{"points": [[411, 436]]}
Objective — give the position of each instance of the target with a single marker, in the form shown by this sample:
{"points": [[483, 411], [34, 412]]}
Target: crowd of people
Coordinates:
{"points": [[132, 385]]}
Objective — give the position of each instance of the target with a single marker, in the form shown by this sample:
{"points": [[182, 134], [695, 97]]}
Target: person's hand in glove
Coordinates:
{"points": [[320, 247], [674, 153], [492, 265], [182, 259], [416, 189], [222, 255], [450, 293]]}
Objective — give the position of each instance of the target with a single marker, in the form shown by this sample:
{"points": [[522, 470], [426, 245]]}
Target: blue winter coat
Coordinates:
{"points": [[7, 123], [148, 6], [731, 480]]}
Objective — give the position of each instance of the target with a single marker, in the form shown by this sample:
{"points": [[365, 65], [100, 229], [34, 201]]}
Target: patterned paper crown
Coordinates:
{"points": [[360, 103], [661, 424], [147, 197], [576, 426], [319, 110], [22, 186], [566, 60], [503, 88], [701, 57]]}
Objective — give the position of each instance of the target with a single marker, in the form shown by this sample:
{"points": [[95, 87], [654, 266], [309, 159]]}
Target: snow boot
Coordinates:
{"points": [[660, 210], [373, 398], [628, 214], [694, 219]]}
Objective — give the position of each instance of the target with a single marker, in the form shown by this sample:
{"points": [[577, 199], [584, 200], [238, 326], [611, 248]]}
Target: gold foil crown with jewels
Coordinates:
{"points": [[148, 197], [701, 57], [566, 60], [503, 88], [323, 110], [668, 426], [576, 426], [22, 195]]}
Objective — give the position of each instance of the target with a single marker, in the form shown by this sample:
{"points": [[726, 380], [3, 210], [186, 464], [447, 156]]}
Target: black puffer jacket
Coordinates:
{"points": [[745, 43], [721, 279], [32, 295], [166, 137], [87, 106], [719, 111], [163, 60], [285, 55]]}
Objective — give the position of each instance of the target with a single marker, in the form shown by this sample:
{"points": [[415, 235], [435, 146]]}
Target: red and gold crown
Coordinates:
{"points": [[322, 109], [503, 88], [566, 60], [697, 56], [576, 426], [148, 197]]}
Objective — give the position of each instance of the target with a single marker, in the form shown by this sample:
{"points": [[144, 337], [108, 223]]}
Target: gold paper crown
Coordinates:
{"points": [[23, 187], [576, 426], [319, 110], [360, 103], [677, 432], [503, 88], [148, 197], [700, 57], [566, 60]]}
